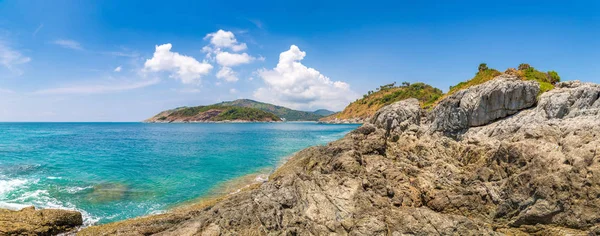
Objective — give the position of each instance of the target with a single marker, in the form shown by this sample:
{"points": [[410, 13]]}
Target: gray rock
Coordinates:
{"points": [[398, 116], [571, 99], [484, 103]]}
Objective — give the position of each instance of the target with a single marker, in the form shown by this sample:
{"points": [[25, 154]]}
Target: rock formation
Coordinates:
{"points": [[482, 104], [489, 160], [29, 221]]}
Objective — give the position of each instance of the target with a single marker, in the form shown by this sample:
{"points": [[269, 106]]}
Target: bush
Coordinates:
{"points": [[482, 67], [554, 78], [524, 66]]}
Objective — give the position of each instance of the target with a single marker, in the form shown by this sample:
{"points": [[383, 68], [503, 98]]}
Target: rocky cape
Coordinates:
{"points": [[492, 159], [213, 114]]}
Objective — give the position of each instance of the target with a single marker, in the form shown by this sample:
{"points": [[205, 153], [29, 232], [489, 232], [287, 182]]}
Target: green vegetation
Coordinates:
{"points": [[421, 91], [245, 113], [288, 114], [546, 79], [480, 78], [324, 112], [482, 67], [525, 72], [385, 95], [429, 96], [221, 113]]}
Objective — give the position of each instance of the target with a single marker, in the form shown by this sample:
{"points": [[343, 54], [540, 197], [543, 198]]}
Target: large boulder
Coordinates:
{"points": [[29, 221], [481, 104], [571, 99], [398, 116]]}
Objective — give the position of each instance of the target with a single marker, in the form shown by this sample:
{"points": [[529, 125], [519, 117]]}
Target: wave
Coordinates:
{"points": [[76, 189], [15, 194], [7, 186]]}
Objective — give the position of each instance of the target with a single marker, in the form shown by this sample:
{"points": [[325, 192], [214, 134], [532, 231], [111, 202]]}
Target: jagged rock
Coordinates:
{"points": [[29, 221], [484, 103], [398, 116], [571, 99], [356, 120], [536, 171]]}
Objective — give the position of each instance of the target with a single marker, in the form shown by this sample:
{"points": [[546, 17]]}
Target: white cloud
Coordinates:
{"points": [[9, 58], [67, 43], [294, 85], [220, 43], [233, 91], [118, 69], [251, 78], [185, 68], [98, 88], [225, 39], [227, 74], [233, 59]]}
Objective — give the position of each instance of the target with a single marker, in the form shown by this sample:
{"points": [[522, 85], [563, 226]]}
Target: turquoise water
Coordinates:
{"points": [[114, 171]]}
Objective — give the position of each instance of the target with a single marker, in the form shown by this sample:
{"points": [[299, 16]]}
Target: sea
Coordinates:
{"points": [[115, 171]]}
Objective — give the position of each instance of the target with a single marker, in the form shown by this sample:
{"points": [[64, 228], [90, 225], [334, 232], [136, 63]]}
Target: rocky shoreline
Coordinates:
{"points": [[344, 121], [29, 221], [494, 159]]}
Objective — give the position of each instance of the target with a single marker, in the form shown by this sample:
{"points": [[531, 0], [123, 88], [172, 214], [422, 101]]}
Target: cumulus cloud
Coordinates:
{"points": [[182, 67], [297, 86], [9, 58], [233, 91], [233, 59], [220, 43], [118, 69], [227, 74], [225, 39], [67, 43]]}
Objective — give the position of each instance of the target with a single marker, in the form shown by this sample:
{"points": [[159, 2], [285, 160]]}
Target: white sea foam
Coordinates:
{"points": [[16, 190], [261, 178], [7, 186], [53, 177], [13, 206], [76, 189]]}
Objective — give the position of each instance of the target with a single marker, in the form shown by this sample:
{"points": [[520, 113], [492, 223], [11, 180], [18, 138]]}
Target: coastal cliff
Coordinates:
{"points": [[495, 158], [363, 109]]}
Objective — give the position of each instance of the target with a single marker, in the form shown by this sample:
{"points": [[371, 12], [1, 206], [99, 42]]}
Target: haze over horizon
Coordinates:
{"points": [[128, 60]]}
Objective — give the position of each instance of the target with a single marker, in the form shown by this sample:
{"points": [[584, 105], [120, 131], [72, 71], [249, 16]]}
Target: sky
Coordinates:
{"points": [[117, 60]]}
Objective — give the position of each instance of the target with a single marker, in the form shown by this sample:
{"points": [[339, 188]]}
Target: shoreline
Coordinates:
{"points": [[217, 193], [228, 187], [223, 190]]}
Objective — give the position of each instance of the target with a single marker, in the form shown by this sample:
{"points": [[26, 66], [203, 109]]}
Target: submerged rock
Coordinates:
{"points": [[516, 169], [107, 192], [30, 221]]}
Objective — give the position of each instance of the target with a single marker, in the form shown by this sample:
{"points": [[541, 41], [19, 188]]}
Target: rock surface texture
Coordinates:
{"points": [[484, 103], [29, 221], [489, 160]]}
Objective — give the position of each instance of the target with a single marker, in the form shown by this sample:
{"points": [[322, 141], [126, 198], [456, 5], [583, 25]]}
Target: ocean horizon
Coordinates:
{"points": [[112, 171]]}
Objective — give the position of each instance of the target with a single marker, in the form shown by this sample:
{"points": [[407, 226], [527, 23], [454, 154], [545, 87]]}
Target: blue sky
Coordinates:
{"points": [[127, 60]]}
